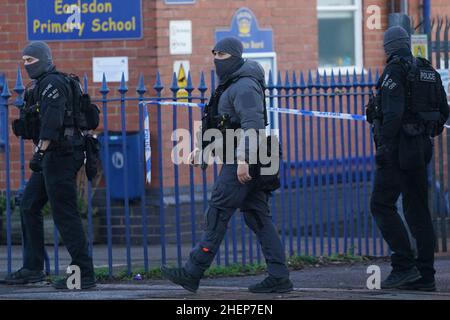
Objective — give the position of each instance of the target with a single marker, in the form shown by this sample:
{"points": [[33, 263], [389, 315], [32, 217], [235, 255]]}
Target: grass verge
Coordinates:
{"points": [[235, 270]]}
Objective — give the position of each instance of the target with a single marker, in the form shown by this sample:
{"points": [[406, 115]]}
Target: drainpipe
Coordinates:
{"points": [[404, 6], [426, 16]]}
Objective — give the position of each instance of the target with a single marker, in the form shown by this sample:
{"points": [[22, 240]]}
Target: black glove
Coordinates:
{"points": [[36, 161]]}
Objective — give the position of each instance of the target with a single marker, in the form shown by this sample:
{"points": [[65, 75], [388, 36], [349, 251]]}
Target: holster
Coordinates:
{"points": [[415, 147], [268, 182], [92, 148]]}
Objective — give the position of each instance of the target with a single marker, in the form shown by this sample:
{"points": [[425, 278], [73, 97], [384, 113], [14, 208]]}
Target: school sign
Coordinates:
{"points": [[59, 20]]}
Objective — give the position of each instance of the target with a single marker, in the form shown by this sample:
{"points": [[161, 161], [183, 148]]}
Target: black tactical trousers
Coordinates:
{"points": [[56, 184], [390, 182], [228, 195]]}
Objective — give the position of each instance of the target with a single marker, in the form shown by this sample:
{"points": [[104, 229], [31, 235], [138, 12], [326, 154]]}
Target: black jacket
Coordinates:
{"points": [[393, 98], [244, 102], [53, 93]]}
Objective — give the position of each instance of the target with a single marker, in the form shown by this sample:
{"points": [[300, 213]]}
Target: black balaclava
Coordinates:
{"points": [[226, 67], [397, 42], [39, 50]]}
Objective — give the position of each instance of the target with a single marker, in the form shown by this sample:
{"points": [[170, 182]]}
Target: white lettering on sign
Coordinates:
{"points": [[112, 67], [180, 37]]}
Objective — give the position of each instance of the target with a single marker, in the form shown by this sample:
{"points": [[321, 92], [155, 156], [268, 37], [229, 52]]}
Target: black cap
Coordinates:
{"points": [[231, 46]]}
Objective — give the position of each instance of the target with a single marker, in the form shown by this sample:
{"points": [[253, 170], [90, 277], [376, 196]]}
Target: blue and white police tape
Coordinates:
{"points": [[318, 114], [148, 150], [174, 103]]}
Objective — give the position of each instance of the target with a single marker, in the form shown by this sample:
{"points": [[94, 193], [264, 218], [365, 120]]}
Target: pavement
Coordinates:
{"points": [[331, 282]]}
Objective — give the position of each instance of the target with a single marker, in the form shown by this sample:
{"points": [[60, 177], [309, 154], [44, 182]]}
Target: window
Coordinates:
{"points": [[340, 35]]}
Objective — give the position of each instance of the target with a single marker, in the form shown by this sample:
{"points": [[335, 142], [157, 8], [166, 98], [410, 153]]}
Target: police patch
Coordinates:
{"points": [[384, 80], [390, 84], [54, 94], [427, 76], [47, 89]]}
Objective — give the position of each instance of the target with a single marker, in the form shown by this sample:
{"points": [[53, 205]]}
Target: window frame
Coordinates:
{"points": [[356, 8]]}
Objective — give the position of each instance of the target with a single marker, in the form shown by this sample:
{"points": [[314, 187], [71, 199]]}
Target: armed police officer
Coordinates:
{"points": [[410, 109], [47, 119], [239, 102]]}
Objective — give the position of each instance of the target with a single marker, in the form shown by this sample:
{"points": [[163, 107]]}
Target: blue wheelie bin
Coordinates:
{"points": [[117, 164]]}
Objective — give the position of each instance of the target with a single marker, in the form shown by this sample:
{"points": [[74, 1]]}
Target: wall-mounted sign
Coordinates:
{"points": [[59, 20], [112, 67], [244, 26], [179, 1], [419, 45], [180, 37]]}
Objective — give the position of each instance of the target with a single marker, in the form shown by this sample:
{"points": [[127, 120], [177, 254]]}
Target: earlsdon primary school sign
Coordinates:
{"points": [[59, 20]]}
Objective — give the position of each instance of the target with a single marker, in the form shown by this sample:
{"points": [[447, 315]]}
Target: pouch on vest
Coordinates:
{"points": [[414, 151], [268, 174]]}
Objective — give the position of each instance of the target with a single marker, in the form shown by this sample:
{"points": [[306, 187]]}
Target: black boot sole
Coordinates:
{"points": [[412, 287], [403, 283], [274, 290], [23, 281], [422, 289], [187, 288]]}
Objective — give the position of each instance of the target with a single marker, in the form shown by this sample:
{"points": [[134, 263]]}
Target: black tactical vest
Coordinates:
{"points": [[424, 91], [80, 113], [423, 94], [211, 119]]}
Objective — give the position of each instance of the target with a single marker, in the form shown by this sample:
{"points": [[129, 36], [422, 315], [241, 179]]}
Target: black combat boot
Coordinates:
{"points": [[24, 276], [181, 277], [423, 284], [86, 282], [272, 284], [397, 278]]}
